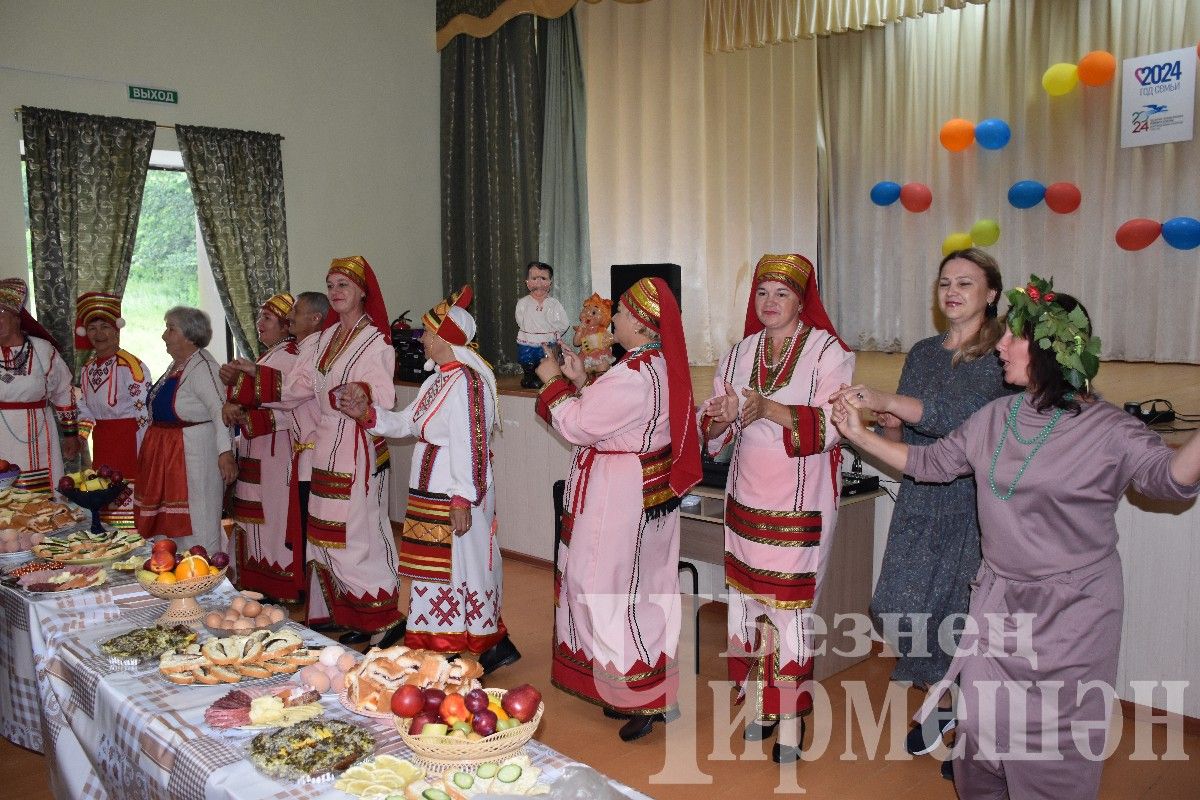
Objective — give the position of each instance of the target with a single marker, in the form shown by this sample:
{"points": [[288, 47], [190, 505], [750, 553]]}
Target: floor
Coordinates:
{"points": [[689, 760]]}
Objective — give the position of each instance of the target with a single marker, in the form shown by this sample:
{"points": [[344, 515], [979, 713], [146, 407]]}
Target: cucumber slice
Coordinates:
{"points": [[487, 770], [435, 794], [463, 780], [509, 773]]}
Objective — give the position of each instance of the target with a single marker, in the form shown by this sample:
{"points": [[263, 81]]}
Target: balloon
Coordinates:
{"points": [[1182, 233], [957, 134], [1026, 194], [1097, 68], [1063, 198], [985, 232], [1060, 79], [992, 134], [955, 241], [916, 197], [885, 193], [1138, 233]]}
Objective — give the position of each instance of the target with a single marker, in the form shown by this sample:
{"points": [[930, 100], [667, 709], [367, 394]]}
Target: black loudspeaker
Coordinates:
{"points": [[622, 276]]}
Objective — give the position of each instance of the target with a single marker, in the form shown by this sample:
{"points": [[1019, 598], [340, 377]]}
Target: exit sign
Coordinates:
{"points": [[149, 95]]}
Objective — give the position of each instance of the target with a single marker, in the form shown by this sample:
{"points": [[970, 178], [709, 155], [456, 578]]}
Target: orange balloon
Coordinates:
{"points": [[957, 134], [1097, 68]]}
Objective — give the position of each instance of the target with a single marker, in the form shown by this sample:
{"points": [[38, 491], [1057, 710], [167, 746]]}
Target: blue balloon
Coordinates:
{"points": [[885, 193], [992, 134], [1182, 233], [1026, 194]]}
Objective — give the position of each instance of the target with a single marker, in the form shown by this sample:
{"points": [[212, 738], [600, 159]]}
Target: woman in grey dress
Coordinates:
{"points": [[1046, 606], [933, 542]]}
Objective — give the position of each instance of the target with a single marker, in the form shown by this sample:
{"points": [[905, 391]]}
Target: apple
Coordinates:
{"points": [[475, 700], [65, 484], [117, 477], [105, 471], [4, 465], [161, 561], [433, 729], [166, 544], [146, 565], [219, 560], [463, 727], [433, 701], [408, 701], [505, 724], [521, 702], [485, 722], [199, 550], [419, 722]]}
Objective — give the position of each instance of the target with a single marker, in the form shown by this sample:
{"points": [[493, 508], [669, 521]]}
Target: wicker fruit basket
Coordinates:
{"points": [[438, 752], [182, 594]]}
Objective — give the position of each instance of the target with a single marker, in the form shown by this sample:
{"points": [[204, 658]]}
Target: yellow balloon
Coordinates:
{"points": [[1060, 79], [955, 241], [985, 232]]}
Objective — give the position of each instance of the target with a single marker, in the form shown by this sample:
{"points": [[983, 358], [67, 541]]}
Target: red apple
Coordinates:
{"points": [[65, 484], [166, 544], [161, 561], [219, 560], [408, 701], [521, 702], [484, 723], [420, 721], [199, 550], [475, 700], [117, 477], [433, 701]]}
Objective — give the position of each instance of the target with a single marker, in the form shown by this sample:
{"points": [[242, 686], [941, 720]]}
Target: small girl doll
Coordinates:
{"points": [[593, 337]]}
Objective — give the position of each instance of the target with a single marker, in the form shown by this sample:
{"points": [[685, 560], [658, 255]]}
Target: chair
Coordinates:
{"points": [[557, 491]]}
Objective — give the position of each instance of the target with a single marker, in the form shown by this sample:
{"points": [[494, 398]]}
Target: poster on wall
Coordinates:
{"points": [[1158, 98]]}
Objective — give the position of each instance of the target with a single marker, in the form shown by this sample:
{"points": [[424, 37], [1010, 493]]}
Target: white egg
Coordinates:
{"points": [[330, 655]]}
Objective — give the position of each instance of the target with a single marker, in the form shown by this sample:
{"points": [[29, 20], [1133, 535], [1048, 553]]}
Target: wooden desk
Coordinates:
{"points": [[845, 584]]}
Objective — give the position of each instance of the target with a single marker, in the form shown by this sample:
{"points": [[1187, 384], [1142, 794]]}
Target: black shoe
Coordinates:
{"points": [[757, 731], [354, 637], [393, 635], [924, 737], [948, 769], [642, 724], [786, 753], [325, 627], [612, 713], [501, 654]]}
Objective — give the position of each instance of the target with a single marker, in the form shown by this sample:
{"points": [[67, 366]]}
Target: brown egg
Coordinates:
{"points": [[237, 604], [278, 614], [345, 662], [242, 625], [252, 608], [214, 619], [315, 678], [338, 682]]}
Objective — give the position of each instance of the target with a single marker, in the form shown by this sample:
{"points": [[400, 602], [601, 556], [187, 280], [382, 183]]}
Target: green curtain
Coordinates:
{"points": [[491, 152], [563, 230], [85, 178], [237, 184]]}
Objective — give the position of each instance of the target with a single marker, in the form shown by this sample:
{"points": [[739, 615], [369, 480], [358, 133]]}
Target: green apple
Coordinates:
{"points": [[465, 727], [434, 729]]}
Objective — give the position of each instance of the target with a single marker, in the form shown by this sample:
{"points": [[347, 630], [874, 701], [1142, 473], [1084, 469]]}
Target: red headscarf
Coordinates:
{"points": [[797, 273], [438, 320], [91, 306], [13, 293], [358, 270], [650, 301]]}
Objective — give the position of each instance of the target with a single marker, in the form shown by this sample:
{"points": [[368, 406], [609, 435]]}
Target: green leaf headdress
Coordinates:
{"points": [[1067, 334]]}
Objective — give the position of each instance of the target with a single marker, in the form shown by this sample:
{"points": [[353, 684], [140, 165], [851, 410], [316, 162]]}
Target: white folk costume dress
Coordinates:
{"points": [[781, 498], [34, 382], [269, 552], [114, 415], [457, 581], [180, 491], [353, 576]]}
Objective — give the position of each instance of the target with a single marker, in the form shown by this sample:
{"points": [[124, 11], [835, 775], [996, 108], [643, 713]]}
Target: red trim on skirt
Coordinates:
{"points": [[369, 614], [465, 642], [161, 492]]}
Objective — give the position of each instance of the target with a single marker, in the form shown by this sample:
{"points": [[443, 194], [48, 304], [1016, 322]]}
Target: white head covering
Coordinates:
{"points": [[470, 357]]}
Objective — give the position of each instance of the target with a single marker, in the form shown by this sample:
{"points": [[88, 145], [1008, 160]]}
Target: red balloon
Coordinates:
{"points": [[1063, 198], [916, 197], [1137, 234]]}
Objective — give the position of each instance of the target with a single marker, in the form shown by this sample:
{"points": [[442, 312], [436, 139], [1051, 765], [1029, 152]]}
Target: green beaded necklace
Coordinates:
{"points": [[1037, 442]]}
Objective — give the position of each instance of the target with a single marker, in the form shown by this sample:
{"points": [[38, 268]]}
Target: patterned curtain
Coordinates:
{"points": [[85, 175], [492, 173], [237, 184], [563, 233]]}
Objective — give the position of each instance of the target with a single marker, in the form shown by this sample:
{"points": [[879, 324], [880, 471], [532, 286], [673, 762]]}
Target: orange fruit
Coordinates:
{"points": [[453, 709], [166, 577], [191, 566], [213, 570], [495, 707]]}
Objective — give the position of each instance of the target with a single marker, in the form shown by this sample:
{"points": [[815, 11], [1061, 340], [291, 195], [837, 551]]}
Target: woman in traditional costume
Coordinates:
{"points": [[449, 541], [772, 400], [186, 459], [353, 569], [114, 392], [1057, 460], [34, 382], [269, 551], [616, 622], [933, 543]]}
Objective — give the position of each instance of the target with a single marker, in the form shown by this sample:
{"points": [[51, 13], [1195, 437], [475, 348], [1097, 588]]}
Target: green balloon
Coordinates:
{"points": [[985, 232]]}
